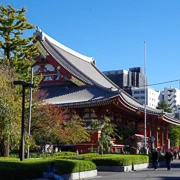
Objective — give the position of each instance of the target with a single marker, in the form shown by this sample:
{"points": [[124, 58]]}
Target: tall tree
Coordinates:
{"points": [[17, 49], [17, 52], [9, 111]]}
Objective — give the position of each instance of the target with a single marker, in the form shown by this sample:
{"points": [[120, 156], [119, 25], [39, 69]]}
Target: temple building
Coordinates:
{"points": [[73, 81]]}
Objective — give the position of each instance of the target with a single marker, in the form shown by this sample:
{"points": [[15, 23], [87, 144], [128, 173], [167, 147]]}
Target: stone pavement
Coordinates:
{"points": [[145, 174]]}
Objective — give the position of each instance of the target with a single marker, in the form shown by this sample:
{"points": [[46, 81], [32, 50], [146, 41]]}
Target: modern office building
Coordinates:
{"points": [[132, 82], [152, 96], [172, 97], [127, 79]]}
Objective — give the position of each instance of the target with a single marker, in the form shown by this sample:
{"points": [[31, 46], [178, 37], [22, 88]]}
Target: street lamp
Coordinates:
{"points": [[24, 86]]}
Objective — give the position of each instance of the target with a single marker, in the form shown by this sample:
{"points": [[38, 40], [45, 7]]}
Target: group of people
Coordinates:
{"points": [[168, 158]]}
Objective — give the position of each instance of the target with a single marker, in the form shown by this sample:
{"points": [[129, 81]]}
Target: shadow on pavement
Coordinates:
{"points": [[176, 164], [170, 178]]}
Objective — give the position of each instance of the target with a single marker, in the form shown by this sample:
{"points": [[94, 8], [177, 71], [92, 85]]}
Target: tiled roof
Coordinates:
{"points": [[64, 95]]}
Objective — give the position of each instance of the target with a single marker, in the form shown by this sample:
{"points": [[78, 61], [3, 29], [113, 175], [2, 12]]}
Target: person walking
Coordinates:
{"points": [[155, 158], [168, 157]]}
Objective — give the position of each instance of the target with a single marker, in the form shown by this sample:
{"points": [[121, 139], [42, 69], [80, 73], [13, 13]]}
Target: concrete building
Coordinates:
{"points": [[172, 97], [127, 79], [152, 96], [132, 82]]}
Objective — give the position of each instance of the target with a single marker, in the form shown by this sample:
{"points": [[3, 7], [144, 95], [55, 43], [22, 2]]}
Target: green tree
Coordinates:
{"points": [[163, 105], [173, 130], [49, 126], [17, 50], [9, 112], [107, 129], [74, 130], [174, 135]]}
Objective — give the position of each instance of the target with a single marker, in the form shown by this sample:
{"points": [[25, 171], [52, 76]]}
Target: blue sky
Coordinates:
{"points": [[114, 32]]}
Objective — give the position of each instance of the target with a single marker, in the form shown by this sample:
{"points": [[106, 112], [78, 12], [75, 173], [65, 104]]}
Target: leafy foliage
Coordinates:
{"points": [[107, 129], [163, 105], [49, 126], [75, 131], [9, 111], [174, 131], [174, 135], [46, 121], [18, 51]]}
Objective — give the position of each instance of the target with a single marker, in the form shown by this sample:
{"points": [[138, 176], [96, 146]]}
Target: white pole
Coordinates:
{"points": [[30, 110], [145, 98]]}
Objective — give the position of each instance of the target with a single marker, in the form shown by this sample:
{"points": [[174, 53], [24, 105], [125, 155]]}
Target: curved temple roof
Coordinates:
{"points": [[81, 66], [99, 87]]}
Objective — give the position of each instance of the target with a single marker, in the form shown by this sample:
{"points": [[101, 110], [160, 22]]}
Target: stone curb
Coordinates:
{"points": [[132, 167], [80, 175]]}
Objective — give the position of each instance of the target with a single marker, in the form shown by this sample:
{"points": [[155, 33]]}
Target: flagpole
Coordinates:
{"points": [[145, 98]]}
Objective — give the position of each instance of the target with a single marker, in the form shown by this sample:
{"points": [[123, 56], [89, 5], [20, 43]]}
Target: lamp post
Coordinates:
{"points": [[24, 86]]}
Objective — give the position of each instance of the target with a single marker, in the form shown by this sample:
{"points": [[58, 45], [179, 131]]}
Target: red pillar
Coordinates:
{"points": [[155, 136], [149, 134], [166, 138], [161, 137]]}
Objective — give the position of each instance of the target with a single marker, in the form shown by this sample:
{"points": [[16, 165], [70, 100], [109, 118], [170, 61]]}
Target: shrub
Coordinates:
{"points": [[119, 160], [12, 168]]}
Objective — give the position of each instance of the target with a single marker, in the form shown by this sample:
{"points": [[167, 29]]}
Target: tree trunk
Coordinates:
{"points": [[5, 149]]}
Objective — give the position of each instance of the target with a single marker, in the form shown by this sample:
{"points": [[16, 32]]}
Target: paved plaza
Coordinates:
{"points": [[146, 174]]}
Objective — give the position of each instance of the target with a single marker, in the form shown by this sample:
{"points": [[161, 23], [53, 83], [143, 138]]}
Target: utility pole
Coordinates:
{"points": [[24, 86], [30, 110]]}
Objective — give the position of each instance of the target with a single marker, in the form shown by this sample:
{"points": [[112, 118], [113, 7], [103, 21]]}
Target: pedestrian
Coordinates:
{"points": [[155, 158], [51, 172], [168, 157]]}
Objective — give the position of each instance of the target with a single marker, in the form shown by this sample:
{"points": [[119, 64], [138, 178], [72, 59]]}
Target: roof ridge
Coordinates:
{"points": [[65, 48]]}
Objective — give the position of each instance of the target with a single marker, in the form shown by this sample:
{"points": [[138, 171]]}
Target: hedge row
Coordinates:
{"points": [[121, 160], [45, 155], [11, 168]]}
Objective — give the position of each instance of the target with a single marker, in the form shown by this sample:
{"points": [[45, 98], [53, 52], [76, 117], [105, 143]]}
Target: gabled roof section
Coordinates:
{"points": [[81, 66], [64, 48]]}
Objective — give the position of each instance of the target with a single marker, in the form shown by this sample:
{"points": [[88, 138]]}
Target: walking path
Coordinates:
{"points": [[145, 174]]}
